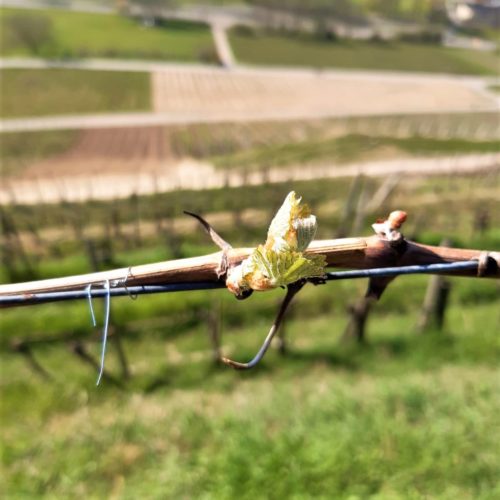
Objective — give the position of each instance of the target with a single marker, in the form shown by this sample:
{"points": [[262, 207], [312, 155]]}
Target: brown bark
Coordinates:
{"points": [[354, 253]]}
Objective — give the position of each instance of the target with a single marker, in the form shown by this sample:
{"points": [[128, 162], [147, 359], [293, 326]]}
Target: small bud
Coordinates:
{"points": [[390, 227], [396, 219]]}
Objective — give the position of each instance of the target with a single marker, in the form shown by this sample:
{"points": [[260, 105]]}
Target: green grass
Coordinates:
{"points": [[77, 34], [30, 92], [348, 148], [20, 149], [405, 417], [308, 51]]}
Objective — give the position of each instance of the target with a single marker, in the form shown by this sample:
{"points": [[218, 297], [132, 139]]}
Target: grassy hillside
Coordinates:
{"points": [[30, 92], [256, 145], [407, 415], [77, 34], [349, 148], [308, 51], [19, 150]]}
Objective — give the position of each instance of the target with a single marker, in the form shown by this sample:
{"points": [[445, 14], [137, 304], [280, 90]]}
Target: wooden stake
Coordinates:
{"points": [[358, 316], [435, 302]]}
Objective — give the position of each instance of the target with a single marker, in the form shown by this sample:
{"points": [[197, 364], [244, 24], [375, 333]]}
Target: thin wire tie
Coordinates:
{"points": [[123, 283], [107, 308], [91, 307]]}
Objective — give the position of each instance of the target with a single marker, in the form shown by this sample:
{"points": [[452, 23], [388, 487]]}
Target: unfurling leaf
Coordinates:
{"points": [[281, 261]]}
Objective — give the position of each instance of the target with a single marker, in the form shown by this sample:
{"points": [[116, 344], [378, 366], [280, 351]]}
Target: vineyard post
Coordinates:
{"points": [[436, 300]]}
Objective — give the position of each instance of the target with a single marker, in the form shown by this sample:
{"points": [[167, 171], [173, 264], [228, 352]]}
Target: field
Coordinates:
{"points": [[349, 149], [138, 159], [407, 415], [27, 92], [247, 94], [78, 35], [307, 51], [207, 94], [21, 150], [243, 145]]}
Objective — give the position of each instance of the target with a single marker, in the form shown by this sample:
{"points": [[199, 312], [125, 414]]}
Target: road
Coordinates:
{"points": [[74, 5], [149, 66], [222, 45], [199, 176], [222, 15]]}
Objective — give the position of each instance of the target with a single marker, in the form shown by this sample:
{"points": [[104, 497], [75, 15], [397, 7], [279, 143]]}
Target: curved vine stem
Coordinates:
{"points": [[218, 240], [292, 290]]}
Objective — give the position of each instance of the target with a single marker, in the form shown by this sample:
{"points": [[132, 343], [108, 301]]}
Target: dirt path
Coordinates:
{"points": [[222, 45], [198, 176], [243, 96]]}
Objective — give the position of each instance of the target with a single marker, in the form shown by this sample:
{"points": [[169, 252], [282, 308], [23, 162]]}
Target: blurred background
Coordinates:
{"points": [[118, 115]]}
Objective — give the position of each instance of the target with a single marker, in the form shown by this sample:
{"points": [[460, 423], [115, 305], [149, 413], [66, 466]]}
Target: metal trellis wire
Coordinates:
{"points": [[118, 291]]}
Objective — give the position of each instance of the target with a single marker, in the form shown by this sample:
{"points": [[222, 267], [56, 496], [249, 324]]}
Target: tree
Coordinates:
{"points": [[151, 10], [32, 31]]}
